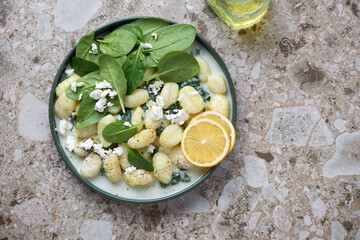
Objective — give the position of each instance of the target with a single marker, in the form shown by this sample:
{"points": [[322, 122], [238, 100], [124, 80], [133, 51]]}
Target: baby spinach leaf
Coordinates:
{"points": [[84, 47], [150, 61], [134, 29], [149, 25], [134, 69], [120, 60], [117, 132], [112, 72], [176, 67], [89, 81], [87, 107], [136, 159], [94, 118], [82, 66], [118, 43], [176, 37]]}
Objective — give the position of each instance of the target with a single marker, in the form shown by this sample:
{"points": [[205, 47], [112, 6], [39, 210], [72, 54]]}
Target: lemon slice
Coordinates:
{"points": [[205, 142], [221, 119]]}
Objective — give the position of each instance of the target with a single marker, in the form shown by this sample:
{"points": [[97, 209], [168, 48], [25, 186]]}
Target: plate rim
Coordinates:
{"points": [[60, 75]]}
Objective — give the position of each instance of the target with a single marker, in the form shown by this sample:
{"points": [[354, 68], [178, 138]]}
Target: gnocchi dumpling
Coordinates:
{"points": [[137, 98], [142, 139], [87, 132], [169, 93], [112, 167], [101, 125], [148, 72], [171, 136], [191, 100], [114, 109], [64, 106], [61, 87], [91, 166], [123, 158], [149, 122], [139, 177], [79, 151], [219, 103], [177, 158], [204, 70], [217, 84], [162, 167], [136, 117]]}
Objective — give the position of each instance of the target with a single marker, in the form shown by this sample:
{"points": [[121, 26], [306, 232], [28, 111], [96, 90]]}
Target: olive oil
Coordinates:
{"points": [[239, 14]]}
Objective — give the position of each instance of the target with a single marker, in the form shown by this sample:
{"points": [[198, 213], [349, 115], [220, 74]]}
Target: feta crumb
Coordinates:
{"points": [[151, 148], [98, 148], [118, 151], [156, 86], [75, 85], [71, 141], [112, 94], [146, 45], [103, 84], [69, 72], [109, 104], [96, 94], [127, 124], [154, 35], [194, 93], [87, 144], [156, 113], [118, 117], [64, 125], [94, 49], [80, 96], [100, 105], [181, 97], [179, 118], [160, 101], [105, 93], [130, 170]]}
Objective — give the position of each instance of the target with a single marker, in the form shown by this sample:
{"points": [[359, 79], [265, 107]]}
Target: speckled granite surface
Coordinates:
{"points": [[295, 169]]}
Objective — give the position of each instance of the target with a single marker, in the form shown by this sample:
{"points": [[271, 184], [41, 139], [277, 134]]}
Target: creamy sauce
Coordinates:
{"points": [[154, 190]]}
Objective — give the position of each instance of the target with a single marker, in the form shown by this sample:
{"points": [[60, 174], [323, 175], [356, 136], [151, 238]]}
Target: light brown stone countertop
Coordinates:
{"points": [[295, 169]]}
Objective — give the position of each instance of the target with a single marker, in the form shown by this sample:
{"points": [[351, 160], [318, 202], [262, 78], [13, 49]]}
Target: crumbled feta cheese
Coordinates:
{"points": [[69, 72], [109, 104], [127, 124], [156, 113], [178, 118], [118, 151], [71, 141], [64, 125], [151, 148], [194, 93], [105, 93], [98, 148], [181, 97], [118, 117], [102, 85], [100, 105], [96, 94], [75, 85], [94, 49], [130, 170], [154, 35], [156, 86], [160, 101], [112, 94], [87, 144], [146, 45], [80, 96]]}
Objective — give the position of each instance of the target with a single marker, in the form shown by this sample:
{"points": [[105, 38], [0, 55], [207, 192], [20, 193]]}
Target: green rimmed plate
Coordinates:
{"points": [[121, 191]]}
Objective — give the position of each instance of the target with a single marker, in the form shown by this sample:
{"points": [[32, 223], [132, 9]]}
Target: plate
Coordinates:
{"points": [[121, 191]]}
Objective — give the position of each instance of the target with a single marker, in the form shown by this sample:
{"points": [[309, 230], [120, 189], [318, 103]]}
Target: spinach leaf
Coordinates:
{"points": [[150, 61], [112, 72], [149, 25], [134, 29], [170, 38], [176, 67], [176, 178], [94, 118], [136, 159], [117, 132], [82, 66], [126, 115], [120, 60], [134, 69], [118, 43], [89, 81], [87, 107], [84, 47]]}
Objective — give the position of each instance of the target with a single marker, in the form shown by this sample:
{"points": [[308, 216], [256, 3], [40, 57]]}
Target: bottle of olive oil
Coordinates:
{"points": [[239, 14]]}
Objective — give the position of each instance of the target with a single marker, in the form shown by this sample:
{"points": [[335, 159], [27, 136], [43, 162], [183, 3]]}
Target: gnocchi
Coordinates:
{"points": [[79, 151], [136, 117], [87, 132], [190, 100], [139, 177], [123, 158], [150, 123], [217, 84], [142, 139], [170, 94], [112, 167], [91, 166], [162, 167], [204, 71], [219, 103], [171, 136], [61, 87], [114, 109], [137, 98], [177, 158], [101, 125], [64, 106]]}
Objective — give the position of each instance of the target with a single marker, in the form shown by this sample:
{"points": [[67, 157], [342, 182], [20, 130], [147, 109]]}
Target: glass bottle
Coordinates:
{"points": [[239, 14]]}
